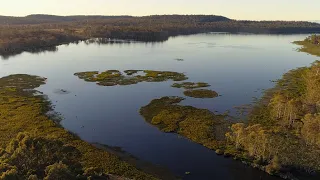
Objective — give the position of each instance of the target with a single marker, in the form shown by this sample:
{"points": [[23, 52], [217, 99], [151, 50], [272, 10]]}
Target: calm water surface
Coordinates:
{"points": [[238, 67]]}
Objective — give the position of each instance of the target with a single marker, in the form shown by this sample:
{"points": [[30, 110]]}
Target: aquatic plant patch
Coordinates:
{"points": [[201, 93], [129, 77]]}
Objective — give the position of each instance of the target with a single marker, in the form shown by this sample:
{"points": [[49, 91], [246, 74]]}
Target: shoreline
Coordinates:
{"points": [[23, 118]]}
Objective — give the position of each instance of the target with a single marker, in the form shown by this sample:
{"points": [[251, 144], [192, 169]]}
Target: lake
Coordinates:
{"points": [[237, 66]]}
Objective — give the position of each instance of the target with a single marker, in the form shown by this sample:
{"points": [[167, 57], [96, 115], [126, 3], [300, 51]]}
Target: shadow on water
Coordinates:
{"points": [[159, 171]]}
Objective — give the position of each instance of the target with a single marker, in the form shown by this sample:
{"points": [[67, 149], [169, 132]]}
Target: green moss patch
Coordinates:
{"points": [[199, 125], [32, 145], [129, 77], [201, 93], [190, 85], [21, 82]]}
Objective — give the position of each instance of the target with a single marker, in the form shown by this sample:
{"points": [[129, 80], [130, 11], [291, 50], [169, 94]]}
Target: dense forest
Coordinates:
{"points": [[33, 32]]}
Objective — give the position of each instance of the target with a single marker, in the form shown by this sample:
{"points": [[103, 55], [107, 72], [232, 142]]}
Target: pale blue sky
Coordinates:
{"points": [[236, 9]]}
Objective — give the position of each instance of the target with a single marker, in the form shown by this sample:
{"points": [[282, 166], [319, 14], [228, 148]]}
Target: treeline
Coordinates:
{"points": [[283, 133], [44, 18], [18, 34], [17, 40]]}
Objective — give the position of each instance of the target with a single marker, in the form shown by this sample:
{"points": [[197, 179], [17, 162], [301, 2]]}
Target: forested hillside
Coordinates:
{"points": [[34, 32]]}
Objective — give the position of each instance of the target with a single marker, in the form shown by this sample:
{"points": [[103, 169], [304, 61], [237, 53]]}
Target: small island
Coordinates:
{"points": [[115, 77], [201, 93], [190, 85]]}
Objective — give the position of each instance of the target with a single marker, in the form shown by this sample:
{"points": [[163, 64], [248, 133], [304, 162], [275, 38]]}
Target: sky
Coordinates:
{"points": [[235, 9]]}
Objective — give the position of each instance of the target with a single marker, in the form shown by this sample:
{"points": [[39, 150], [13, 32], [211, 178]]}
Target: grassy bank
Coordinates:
{"points": [[33, 146], [310, 45]]}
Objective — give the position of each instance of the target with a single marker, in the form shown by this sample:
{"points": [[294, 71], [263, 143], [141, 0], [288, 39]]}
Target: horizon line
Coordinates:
{"points": [[314, 20]]}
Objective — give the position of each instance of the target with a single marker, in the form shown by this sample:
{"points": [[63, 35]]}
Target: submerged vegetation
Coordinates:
{"points": [[34, 147], [115, 77], [190, 85], [310, 45], [201, 93]]}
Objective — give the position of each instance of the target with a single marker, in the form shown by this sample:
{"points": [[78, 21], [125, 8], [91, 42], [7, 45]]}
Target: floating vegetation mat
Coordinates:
{"points": [[201, 93], [129, 77], [190, 85]]}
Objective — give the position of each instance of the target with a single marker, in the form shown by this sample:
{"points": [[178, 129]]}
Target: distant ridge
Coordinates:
{"points": [[70, 18], [46, 18], [36, 32]]}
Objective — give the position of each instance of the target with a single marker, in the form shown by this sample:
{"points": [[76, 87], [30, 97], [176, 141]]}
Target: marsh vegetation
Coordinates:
{"points": [[281, 135], [115, 77], [310, 45], [201, 93], [199, 125], [35, 147], [190, 85]]}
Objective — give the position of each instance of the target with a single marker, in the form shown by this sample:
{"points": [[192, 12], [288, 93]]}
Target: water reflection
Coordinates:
{"points": [[143, 40], [93, 41], [7, 55], [108, 41]]}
